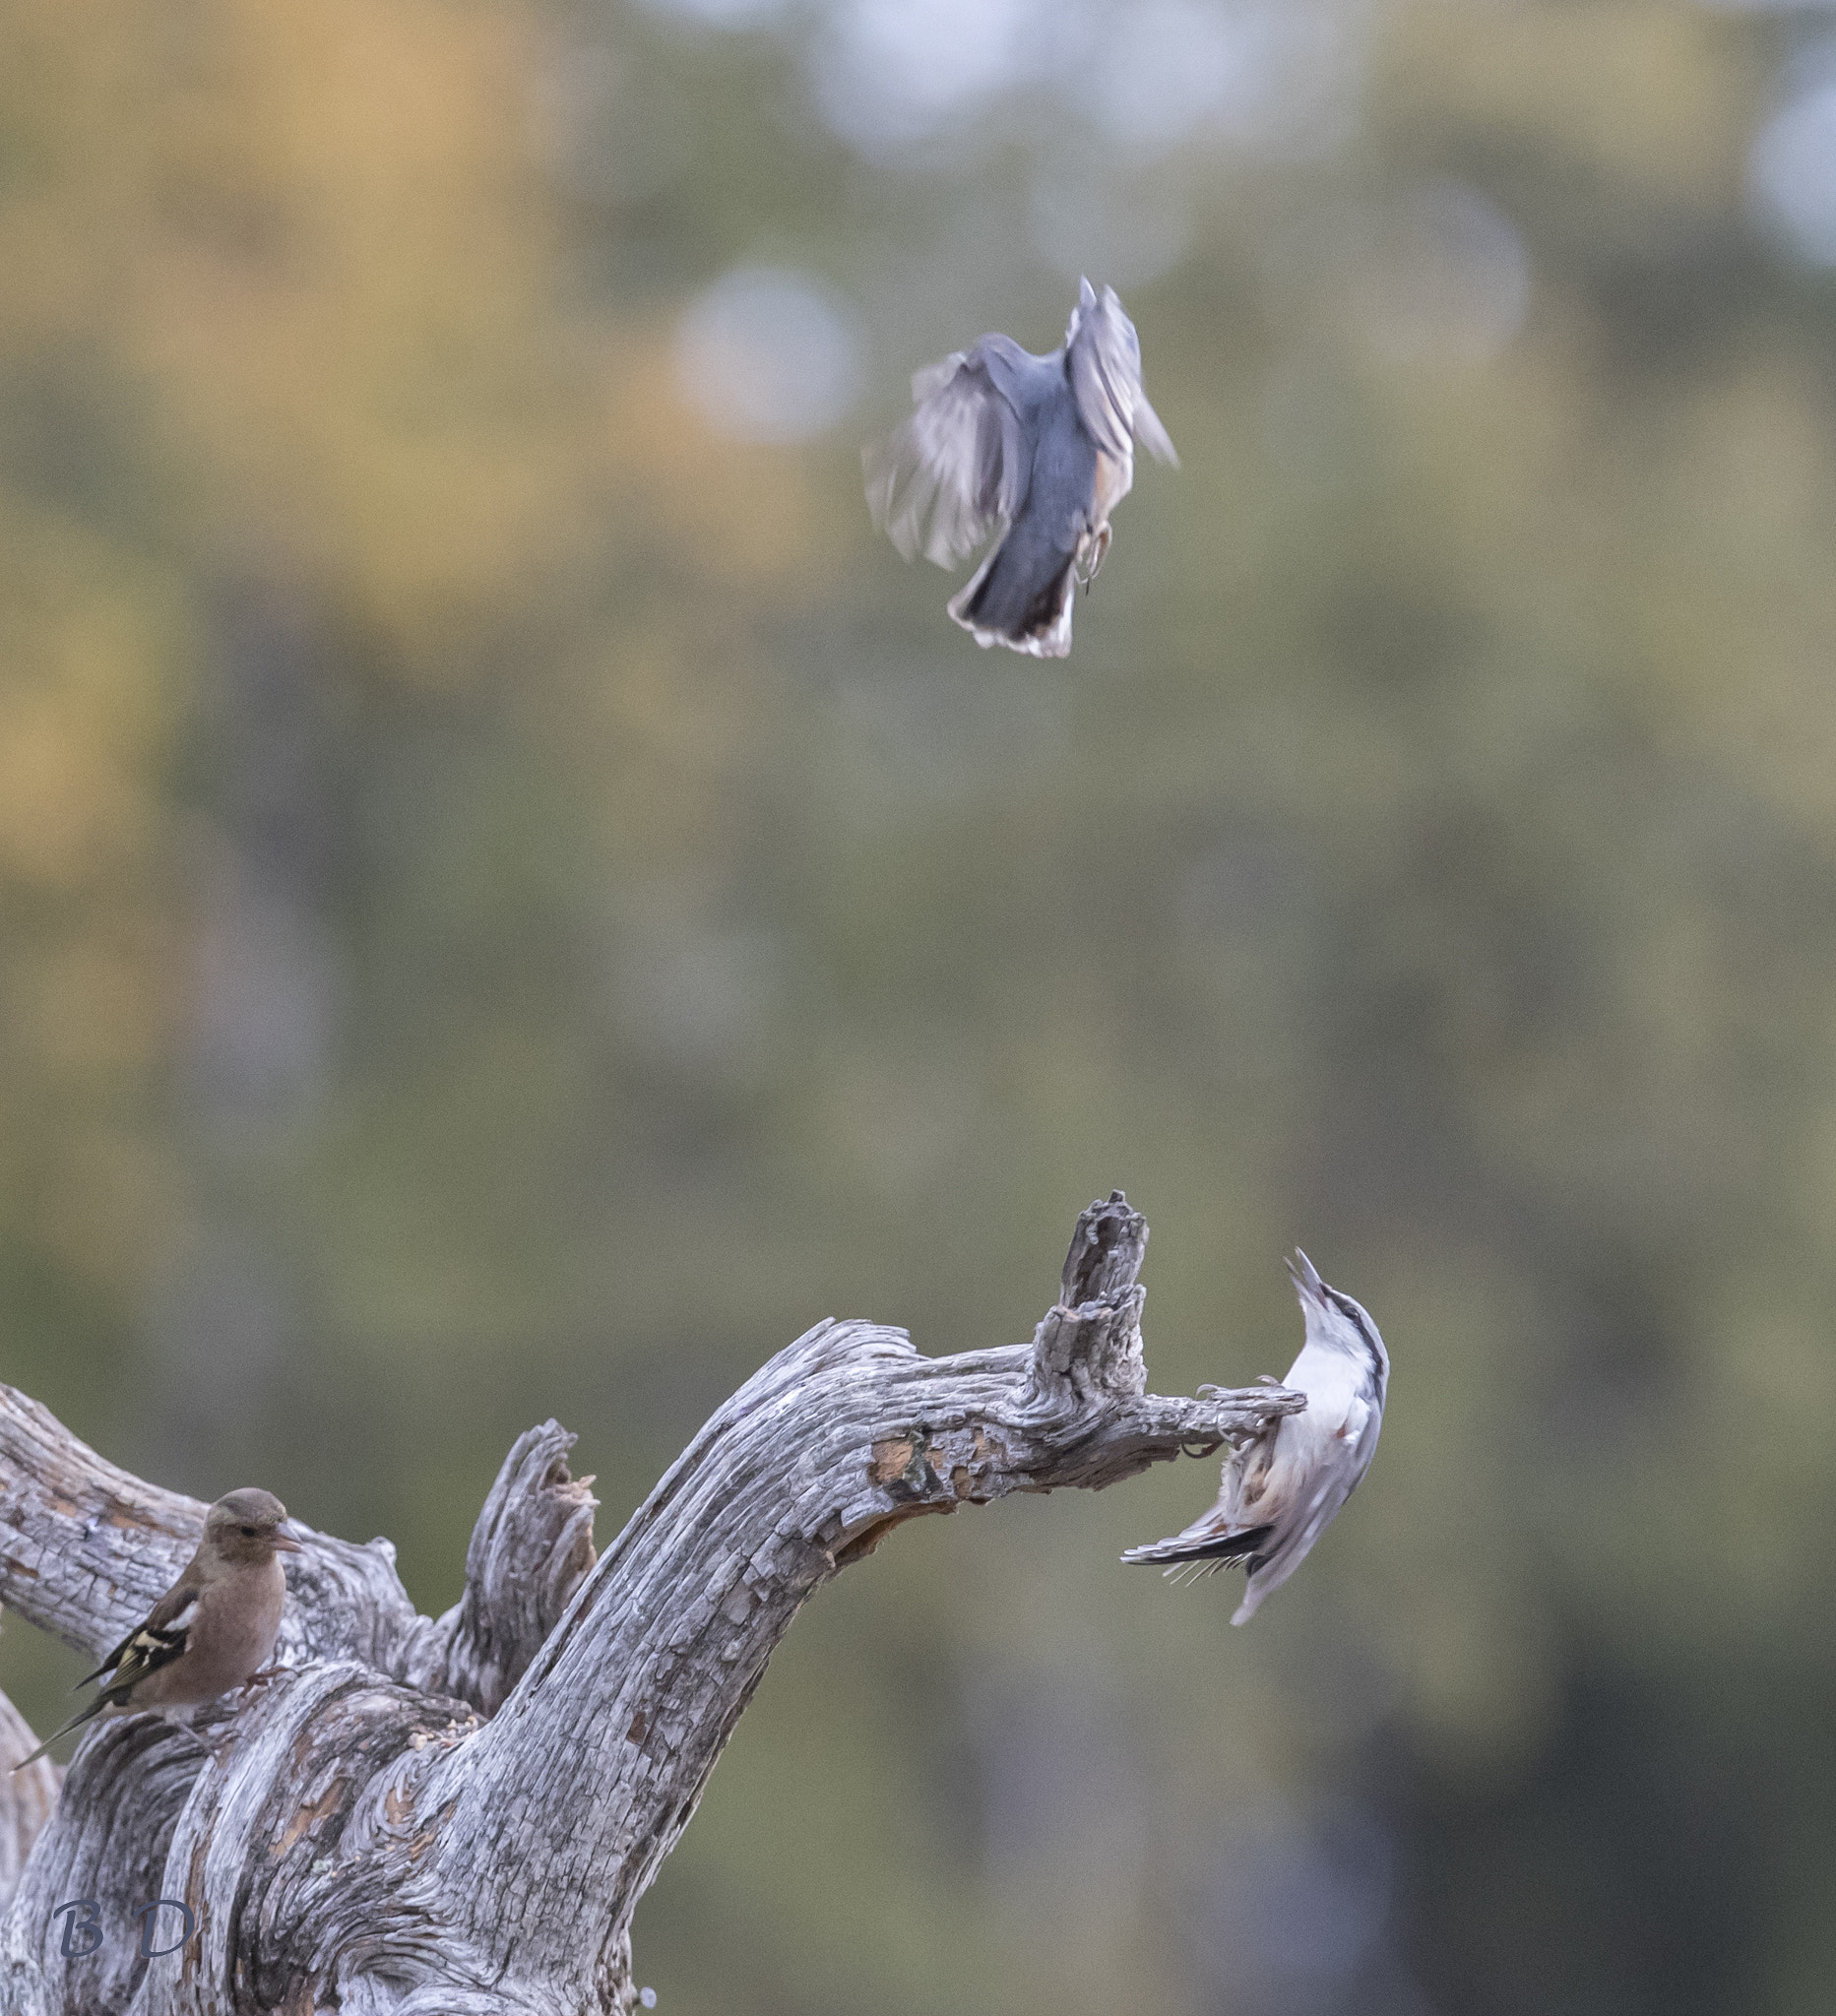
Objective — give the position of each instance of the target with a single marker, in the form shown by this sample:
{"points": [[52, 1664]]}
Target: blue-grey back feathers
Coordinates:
{"points": [[1038, 449]]}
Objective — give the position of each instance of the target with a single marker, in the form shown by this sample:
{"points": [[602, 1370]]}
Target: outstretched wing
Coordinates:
{"points": [[943, 481], [1104, 358]]}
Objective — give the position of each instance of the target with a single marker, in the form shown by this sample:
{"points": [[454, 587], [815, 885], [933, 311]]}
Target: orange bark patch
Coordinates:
{"points": [[891, 1461], [310, 1816]]}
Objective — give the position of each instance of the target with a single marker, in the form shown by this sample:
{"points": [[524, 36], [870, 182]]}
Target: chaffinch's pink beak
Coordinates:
{"points": [[285, 1540]]}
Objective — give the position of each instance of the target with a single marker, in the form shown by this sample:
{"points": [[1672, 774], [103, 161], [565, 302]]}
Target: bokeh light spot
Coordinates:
{"points": [[1792, 173], [769, 355]]}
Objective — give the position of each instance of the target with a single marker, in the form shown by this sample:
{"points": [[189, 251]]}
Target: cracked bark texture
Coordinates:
{"points": [[459, 1816], [26, 1798]]}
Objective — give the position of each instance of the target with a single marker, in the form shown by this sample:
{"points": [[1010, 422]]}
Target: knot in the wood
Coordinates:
{"points": [[1087, 1349]]}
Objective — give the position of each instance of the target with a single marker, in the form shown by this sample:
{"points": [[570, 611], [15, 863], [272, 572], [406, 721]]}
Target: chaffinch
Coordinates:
{"points": [[211, 1629]]}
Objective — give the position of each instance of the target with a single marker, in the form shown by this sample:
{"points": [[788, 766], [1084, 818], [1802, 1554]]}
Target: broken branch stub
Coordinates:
{"points": [[531, 1550], [460, 1815], [1087, 1345]]}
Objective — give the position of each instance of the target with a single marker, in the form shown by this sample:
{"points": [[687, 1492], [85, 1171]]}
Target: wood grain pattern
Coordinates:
{"points": [[459, 1816]]}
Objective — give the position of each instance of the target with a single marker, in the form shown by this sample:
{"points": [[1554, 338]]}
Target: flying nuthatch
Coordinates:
{"points": [[1044, 448], [1281, 1491]]}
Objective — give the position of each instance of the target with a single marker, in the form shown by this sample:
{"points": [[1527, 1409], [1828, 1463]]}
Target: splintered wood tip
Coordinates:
{"points": [[1106, 1255]]}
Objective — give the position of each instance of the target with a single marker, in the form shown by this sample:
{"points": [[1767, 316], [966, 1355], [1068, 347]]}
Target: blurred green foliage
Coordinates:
{"points": [[511, 904]]}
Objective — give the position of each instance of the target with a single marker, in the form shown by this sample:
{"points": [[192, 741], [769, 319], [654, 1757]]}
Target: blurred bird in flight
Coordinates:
{"points": [[1280, 1491], [1041, 449], [211, 1629]]}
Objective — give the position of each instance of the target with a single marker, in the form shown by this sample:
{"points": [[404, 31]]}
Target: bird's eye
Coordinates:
{"points": [[248, 1533]]}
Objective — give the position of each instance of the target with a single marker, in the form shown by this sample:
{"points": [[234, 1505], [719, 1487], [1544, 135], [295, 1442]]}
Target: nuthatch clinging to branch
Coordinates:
{"points": [[1280, 1491], [1041, 449]]}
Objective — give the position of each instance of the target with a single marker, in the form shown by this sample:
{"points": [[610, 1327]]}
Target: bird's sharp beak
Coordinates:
{"points": [[1305, 1278], [285, 1542]]}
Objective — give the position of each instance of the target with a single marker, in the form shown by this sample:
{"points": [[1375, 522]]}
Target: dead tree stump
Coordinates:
{"points": [[457, 1816]]}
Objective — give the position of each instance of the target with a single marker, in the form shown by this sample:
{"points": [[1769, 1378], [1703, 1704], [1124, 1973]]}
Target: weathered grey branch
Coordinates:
{"points": [[353, 1836], [85, 1551], [26, 1797]]}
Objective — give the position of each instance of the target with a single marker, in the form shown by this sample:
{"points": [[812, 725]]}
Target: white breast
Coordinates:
{"points": [[1337, 1409]]}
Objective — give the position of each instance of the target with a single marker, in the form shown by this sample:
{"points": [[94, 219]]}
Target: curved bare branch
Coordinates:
{"points": [[352, 1834]]}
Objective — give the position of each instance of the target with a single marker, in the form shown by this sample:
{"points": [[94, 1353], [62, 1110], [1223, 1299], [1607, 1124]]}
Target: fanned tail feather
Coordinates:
{"points": [[1204, 1554], [1006, 602]]}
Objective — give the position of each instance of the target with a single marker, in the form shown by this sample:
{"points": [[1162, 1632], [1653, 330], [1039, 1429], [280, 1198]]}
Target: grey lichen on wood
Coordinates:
{"points": [[459, 1816]]}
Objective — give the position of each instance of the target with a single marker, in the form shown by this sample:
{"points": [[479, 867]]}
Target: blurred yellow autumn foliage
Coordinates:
{"points": [[512, 903]]}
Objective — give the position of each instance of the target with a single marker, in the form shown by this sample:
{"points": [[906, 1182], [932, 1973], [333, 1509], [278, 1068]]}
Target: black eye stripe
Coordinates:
{"points": [[1348, 1308]]}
